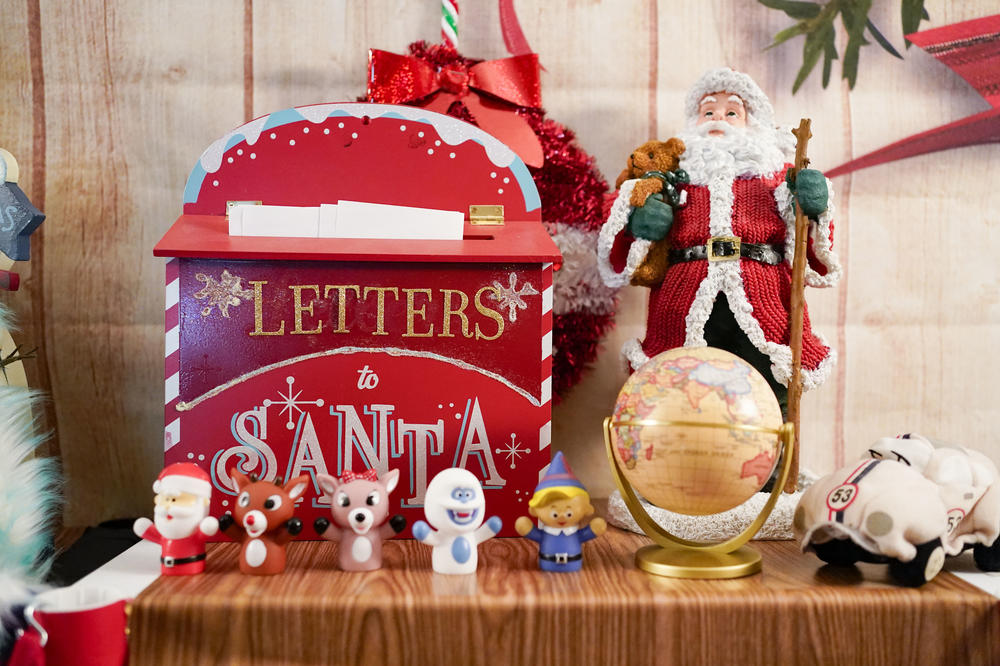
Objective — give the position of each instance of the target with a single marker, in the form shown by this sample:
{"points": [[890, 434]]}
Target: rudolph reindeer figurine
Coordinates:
{"points": [[360, 508], [264, 521]]}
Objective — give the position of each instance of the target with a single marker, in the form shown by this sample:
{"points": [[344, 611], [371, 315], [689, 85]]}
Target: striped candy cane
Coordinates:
{"points": [[449, 23]]}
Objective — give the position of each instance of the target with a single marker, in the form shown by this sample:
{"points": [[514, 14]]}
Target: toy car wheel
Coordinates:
{"points": [[839, 552], [987, 557], [922, 568]]}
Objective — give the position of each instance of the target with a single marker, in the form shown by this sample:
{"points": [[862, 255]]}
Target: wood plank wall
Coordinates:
{"points": [[107, 106]]}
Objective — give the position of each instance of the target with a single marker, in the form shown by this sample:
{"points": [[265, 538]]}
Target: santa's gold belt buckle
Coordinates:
{"points": [[723, 248]]}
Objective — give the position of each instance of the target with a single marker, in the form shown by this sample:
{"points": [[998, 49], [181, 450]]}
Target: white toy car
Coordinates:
{"points": [[907, 504]]}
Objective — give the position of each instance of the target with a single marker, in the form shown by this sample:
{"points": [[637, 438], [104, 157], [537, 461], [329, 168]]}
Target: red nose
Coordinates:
{"points": [[249, 520]]}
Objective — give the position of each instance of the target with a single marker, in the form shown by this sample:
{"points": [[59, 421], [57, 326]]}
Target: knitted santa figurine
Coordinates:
{"points": [[728, 284], [181, 523]]}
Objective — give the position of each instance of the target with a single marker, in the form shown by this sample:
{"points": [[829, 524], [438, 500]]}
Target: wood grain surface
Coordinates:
{"points": [[795, 612], [107, 105]]}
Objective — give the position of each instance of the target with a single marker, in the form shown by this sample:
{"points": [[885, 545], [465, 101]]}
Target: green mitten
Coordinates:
{"points": [[652, 220], [811, 191]]}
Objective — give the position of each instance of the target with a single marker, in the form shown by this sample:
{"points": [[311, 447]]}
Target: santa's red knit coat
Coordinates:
{"points": [[758, 293]]}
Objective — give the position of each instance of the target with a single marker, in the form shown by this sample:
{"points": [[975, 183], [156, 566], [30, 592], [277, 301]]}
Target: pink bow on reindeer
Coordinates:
{"points": [[367, 475]]}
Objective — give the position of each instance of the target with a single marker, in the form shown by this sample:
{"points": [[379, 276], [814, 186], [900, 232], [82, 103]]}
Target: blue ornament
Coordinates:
{"points": [[18, 220]]}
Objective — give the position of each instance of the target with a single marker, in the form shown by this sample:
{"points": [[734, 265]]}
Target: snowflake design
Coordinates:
{"points": [[223, 293], [510, 296], [290, 403], [513, 451]]}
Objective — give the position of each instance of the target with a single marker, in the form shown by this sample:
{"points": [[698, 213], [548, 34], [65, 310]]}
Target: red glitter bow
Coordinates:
{"points": [[367, 475], [491, 90]]}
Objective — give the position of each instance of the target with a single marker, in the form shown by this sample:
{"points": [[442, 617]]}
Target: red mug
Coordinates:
{"points": [[74, 626]]}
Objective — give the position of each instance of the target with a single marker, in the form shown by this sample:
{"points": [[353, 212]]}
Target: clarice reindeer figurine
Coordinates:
{"points": [[263, 519], [360, 509]]}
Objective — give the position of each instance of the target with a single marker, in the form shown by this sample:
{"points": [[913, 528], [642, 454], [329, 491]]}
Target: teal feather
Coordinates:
{"points": [[29, 487], [29, 502]]}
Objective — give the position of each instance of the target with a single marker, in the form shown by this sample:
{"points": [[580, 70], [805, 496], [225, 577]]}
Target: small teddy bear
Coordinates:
{"points": [[652, 157], [656, 163]]}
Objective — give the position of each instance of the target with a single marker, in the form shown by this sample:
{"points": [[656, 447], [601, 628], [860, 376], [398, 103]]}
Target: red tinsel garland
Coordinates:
{"points": [[572, 192]]}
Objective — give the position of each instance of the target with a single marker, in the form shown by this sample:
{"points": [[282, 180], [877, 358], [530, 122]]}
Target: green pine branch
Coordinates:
{"points": [[818, 22], [13, 357]]}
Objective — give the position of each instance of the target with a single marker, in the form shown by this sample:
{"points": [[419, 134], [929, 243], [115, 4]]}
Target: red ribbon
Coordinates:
{"points": [[510, 27], [367, 475], [491, 90], [972, 50], [9, 281]]}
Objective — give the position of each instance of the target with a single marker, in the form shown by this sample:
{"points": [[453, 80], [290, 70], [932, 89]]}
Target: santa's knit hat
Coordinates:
{"points": [[184, 478], [724, 79]]}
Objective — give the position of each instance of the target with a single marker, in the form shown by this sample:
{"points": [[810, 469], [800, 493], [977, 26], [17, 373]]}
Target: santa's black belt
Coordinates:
{"points": [[561, 558], [177, 561], [728, 248]]}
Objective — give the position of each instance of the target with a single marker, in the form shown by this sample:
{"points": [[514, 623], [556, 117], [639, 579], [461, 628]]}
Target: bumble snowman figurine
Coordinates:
{"points": [[455, 506]]}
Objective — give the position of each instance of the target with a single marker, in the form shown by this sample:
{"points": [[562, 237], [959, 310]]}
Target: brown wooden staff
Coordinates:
{"points": [[797, 313]]}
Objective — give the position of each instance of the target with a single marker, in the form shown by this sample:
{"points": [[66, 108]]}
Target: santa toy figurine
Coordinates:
{"points": [[728, 283], [181, 523]]}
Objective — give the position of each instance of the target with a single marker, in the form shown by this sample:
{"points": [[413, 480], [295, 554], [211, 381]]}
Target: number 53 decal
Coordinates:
{"points": [[841, 497]]}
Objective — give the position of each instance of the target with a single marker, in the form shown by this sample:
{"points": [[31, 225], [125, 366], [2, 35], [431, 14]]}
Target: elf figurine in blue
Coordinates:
{"points": [[562, 505]]}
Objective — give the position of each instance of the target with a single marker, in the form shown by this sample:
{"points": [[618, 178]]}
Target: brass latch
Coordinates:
{"points": [[486, 215]]}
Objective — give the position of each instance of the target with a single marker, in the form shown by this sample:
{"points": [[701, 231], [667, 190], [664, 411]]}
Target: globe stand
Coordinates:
{"points": [[679, 562], [680, 558]]}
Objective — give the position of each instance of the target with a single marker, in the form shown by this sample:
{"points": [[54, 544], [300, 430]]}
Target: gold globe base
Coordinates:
{"points": [[672, 556], [686, 563]]}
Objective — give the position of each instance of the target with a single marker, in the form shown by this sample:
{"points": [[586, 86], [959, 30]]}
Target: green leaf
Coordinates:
{"points": [[852, 53], [827, 68], [811, 51], [795, 10], [788, 33], [850, 67], [912, 12], [882, 41], [829, 55], [855, 15], [855, 19]]}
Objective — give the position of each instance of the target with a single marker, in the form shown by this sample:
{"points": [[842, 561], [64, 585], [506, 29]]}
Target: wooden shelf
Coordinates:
{"points": [[795, 612]]}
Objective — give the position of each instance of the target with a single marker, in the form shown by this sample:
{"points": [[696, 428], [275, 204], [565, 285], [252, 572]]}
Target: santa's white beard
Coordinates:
{"points": [[740, 151], [177, 522]]}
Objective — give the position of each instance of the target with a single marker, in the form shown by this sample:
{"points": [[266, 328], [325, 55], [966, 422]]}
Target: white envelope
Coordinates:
{"points": [[357, 219], [346, 219], [287, 221]]}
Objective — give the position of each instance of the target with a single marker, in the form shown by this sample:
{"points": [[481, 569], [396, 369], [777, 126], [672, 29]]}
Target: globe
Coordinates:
{"points": [[694, 430]]}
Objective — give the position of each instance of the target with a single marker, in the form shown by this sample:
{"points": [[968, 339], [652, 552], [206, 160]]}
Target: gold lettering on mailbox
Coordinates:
{"points": [[299, 309], [258, 311], [489, 312], [449, 312], [342, 302], [411, 313], [380, 320]]}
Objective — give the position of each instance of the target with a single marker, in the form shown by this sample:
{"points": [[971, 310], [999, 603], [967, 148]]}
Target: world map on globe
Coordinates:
{"points": [[713, 444]]}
